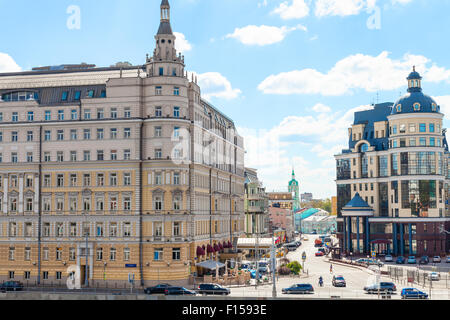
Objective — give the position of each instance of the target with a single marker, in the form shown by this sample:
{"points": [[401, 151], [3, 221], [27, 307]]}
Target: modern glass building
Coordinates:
{"points": [[393, 180]]}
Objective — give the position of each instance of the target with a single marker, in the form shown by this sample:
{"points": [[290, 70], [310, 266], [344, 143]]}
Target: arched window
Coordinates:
{"points": [[416, 106], [433, 106], [399, 108], [364, 147]]}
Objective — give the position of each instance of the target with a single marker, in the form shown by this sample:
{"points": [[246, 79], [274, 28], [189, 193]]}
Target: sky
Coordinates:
{"points": [[290, 73]]}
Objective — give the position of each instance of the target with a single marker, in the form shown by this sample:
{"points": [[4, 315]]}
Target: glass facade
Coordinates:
{"points": [[344, 194], [343, 169], [384, 199], [419, 163], [383, 166], [419, 196], [364, 166]]}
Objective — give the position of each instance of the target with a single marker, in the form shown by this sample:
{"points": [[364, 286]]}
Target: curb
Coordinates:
{"points": [[352, 266]]}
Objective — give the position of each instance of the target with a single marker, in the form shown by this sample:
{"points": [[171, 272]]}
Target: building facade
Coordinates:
{"points": [[117, 171], [255, 205], [294, 188], [306, 197], [393, 181]]}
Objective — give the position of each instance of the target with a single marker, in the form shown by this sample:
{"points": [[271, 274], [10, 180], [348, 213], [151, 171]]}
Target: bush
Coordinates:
{"points": [[284, 261], [284, 271], [295, 267]]}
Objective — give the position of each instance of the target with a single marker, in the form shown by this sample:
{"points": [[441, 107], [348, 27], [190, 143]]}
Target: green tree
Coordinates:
{"points": [[295, 267]]}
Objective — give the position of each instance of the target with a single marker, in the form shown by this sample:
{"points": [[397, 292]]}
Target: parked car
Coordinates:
{"points": [[400, 260], [158, 289], [424, 260], [413, 293], [448, 259], [375, 262], [319, 254], [322, 250], [382, 287], [437, 259], [179, 291], [291, 246], [244, 266], [388, 258], [339, 281], [434, 276], [298, 288], [305, 238], [11, 286], [363, 261], [213, 289], [412, 260], [263, 270]]}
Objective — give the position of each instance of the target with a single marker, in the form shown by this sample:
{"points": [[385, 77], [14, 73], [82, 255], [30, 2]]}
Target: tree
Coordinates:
{"points": [[295, 267]]}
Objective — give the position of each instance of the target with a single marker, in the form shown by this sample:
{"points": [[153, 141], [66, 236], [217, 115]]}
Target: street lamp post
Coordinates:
{"points": [[351, 257], [274, 267]]}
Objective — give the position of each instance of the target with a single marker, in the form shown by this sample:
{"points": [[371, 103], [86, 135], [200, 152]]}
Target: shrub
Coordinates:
{"points": [[284, 261], [284, 271], [295, 267]]}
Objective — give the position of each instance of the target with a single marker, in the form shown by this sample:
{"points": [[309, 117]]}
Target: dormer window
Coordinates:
{"points": [[416, 106], [399, 108], [433, 107]]}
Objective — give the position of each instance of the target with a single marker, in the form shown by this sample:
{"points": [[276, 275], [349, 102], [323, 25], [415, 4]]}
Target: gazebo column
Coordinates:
{"points": [[367, 236], [357, 235]]}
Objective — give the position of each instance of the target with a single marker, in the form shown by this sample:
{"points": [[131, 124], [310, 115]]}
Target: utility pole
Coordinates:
{"points": [[274, 268]]}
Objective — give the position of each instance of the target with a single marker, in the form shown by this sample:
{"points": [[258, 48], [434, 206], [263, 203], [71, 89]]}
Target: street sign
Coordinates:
{"points": [[374, 254], [130, 266], [304, 256]]}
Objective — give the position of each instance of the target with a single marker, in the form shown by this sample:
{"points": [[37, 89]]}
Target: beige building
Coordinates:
{"points": [[131, 161], [256, 205]]}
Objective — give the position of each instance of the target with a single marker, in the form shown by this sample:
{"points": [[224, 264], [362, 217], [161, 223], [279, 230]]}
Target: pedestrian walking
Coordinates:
{"points": [[331, 268]]}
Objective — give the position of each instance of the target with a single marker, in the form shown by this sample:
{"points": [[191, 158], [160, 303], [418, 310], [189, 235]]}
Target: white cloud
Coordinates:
{"points": [[318, 138], [7, 64], [262, 35], [262, 4], [339, 7], [401, 1], [369, 73], [321, 108], [296, 10], [444, 103], [181, 44], [213, 84]]}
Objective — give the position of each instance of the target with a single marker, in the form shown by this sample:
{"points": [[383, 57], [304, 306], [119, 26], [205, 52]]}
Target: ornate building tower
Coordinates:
{"points": [[294, 188]]}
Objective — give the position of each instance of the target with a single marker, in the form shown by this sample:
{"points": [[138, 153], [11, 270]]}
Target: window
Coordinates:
{"points": [[61, 115], [29, 181], [86, 229], [27, 275], [74, 114], [59, 229], [87, 134], [432, 142], [158, 229], [87, 114], [176, 254], [127, 179], [45, 255], [60, 204], [394, 129], [47, 135], [176, 132], [177, 202], [14, 158], [64, 95], [99, 229], [1, 136], [29, 156], [100, 134], [58, 254], [72, 254], [113, 154], [127, 113], [176, 178], [87, 156], [176, 229], [113, 203], [100, 114], [158, 154], [73, 156], [113, 229], [1, 116], [60, 135], [127, 154], [422, 127], [45, 275], [113, 133], [73, 229], [113, 179], [126, 203], [158, 178], [46, 181], [158, 254], [403, 128], [158, 132], [77, 95], [100, 155], [423, 141], [412, 142], [158, 112], [99, 254], [431, 127], [12, 254], [158, 203], [176, 112], [48, 115], [86, 179], [73, 204], [127, 229], [90, 93], [126, 254], [103, 94], [60, 180], [412, 128], [14, 136], [174, 70], [176, 91], [112, 254], [99, 204], [30, 116], [15, 117], [161, 71], [177, 154], [416, 106], [28, 225], [113, 113], [127, 133], [100, 180], [73, 134]]}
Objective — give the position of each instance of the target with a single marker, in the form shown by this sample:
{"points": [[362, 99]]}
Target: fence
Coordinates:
{"points": [[420, 277]]}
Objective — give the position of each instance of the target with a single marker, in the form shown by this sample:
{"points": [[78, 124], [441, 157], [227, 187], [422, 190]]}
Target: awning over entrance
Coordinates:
{"points": [[210, 264]]}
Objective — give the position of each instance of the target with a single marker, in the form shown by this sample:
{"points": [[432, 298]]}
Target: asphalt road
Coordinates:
{"points": [[356, 278]]}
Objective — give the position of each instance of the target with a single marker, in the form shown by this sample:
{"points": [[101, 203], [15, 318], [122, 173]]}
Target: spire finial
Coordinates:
{"points": [[414, 68]]}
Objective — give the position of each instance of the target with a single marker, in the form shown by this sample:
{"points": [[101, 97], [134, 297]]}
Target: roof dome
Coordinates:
{"points": [[415, 100]]}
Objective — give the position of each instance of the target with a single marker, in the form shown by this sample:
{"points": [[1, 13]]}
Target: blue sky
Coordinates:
{"points": [[290, 73]]}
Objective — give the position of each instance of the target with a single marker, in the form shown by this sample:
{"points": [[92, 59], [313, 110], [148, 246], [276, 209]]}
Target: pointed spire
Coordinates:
{"points": [[164, 27]]}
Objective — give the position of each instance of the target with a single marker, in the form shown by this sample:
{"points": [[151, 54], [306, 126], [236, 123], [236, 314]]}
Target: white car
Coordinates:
{"points": [[434, 276], [388, 258], [437, 259]]}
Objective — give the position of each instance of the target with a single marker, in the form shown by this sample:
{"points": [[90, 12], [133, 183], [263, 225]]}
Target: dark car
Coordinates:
{"points": [[339, 281], [424, 260], [179, 291], [400, 260], [159, 289], [11, 286], [212, 289], [298, 288], [383, 287], [413, 293]]}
